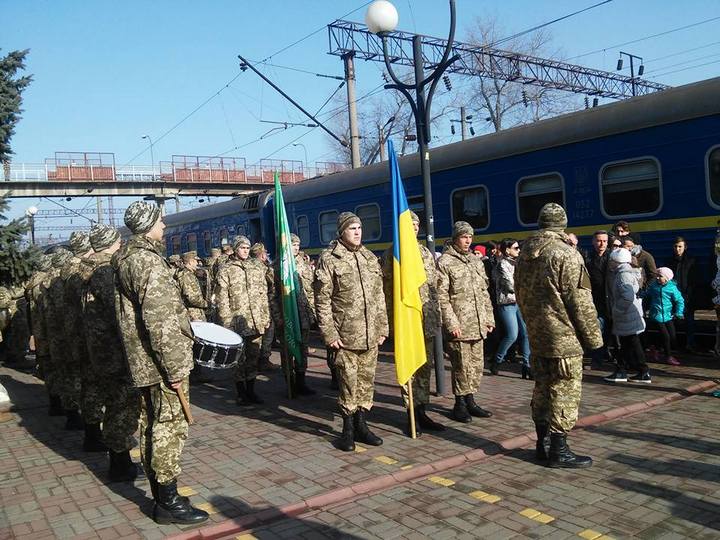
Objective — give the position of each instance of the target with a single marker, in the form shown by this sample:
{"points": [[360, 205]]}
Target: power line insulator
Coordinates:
{"points": [[447, 82]]}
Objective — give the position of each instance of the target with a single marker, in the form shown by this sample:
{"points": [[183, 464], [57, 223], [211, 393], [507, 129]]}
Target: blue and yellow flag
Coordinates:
{"points": [[408, 276]]}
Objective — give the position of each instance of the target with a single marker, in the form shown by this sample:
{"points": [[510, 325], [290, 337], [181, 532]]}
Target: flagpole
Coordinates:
{"points": [[413, 433], [287, 366]]}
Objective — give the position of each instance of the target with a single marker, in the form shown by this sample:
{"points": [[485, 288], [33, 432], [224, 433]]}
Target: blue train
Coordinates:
{"points": [[653, 161]]}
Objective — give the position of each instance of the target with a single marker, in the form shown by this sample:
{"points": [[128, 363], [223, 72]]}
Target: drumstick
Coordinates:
{"points": [[185, 405]]}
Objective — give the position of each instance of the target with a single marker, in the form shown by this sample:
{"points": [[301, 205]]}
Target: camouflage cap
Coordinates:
{"points": [[44, 263], [103, 236], [294, 238], [60, 256], [257, 248], [174, 259], [80, 242], [189, 256], [462, 227], [346, 219], [414, 217], [240, 241], [215, 252], [552, 216], [140, 216]]}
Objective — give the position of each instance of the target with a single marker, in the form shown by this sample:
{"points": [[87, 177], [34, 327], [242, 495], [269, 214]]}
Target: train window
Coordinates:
{"points": [[207, 242], [328, 226], [302, 226], [192, 242], [224, 237], [369, 214], [713, 175], [175, 244], [533, 192], [471, 205], [630, 187]]}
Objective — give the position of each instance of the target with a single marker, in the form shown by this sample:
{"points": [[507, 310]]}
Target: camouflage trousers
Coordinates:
{"points": [[267, 341], [121, 404], [356, 378], [247, 366], [163, 431], [555, 401], [49, 375], [421, 379], [467, 366], [70, 387]]}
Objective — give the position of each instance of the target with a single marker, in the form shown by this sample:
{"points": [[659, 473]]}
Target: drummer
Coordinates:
{"points": [[190, 290]]}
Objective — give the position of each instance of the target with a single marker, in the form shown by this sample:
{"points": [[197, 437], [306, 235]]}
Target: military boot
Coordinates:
{"points": [[172, 508], [542, 446], [74, 420], [460, 411], [56, 408], [251, 395], [424, 421], [122, 468], [93, 439], [301, 388], [242, 395], [346, 443], [362, 432], [474, 409], [561, 457]]}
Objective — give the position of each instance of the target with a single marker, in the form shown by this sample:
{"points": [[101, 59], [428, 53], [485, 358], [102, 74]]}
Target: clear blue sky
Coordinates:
{"points": [[107, 73]]}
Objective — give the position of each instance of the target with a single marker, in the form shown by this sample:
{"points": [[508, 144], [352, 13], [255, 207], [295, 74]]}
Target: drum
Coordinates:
{"points": [[215, 347]]}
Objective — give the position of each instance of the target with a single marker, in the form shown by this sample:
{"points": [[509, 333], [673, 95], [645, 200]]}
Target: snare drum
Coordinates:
{"points": [[215, 347]]}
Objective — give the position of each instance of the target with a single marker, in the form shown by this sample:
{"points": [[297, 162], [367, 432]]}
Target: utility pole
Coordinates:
{"points": [[352, 109], [99, 210], [381, 137], [463, 123]]}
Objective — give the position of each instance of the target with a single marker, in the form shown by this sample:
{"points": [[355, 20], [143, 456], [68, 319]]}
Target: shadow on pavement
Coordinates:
{"points": [[675, 467], [684, 443]]}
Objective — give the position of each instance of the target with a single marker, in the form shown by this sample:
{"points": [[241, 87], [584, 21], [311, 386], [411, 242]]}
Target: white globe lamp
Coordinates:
{"points": [[31, 211], [381, 17]]}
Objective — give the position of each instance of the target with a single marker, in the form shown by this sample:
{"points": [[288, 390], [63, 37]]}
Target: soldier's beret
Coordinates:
{"points": [[257, 248], [60, 256], [80, 242], [414, 217], [462, 227], [240, 241], [44, 262], [103, 236], [189, 256], [174, 259], [215, 252], [346, 219], [140, 216], [294, 238], [552, 216]]}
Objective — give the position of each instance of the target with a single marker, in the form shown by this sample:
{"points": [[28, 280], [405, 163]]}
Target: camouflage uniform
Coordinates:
{"points": [[157, 341], [192, 294], [16, 335], [243, 298], [553, 287], [33, 290], [350, 307], [258, 253], [6, 302], [465, 304]]}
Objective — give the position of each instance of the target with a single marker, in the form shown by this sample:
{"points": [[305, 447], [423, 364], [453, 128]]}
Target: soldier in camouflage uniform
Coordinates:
{"points": [[553, 289], [243, 292], [351, 314], [16, 335], [431, 323], [190, 289], [157, 342], [63, 372], [175, 262], [6, 302], [106, 379], [74, 275], [259, 253], [467, 316]]}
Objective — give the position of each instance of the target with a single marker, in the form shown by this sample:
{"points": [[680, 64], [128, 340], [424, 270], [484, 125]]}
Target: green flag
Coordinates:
{"points": [[288, 279]]}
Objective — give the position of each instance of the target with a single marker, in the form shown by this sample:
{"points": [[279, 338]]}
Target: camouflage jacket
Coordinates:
{"points": [[243, 296], [153, 322], [553, 291], [305, 294], [103, 338], [192, 294], [463, 295], [53, 295], [349, 299], [6, 302], [36, 321], [74, 275], [428, 291]]}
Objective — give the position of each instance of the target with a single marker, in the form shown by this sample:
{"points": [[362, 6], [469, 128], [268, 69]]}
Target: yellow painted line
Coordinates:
{"points": [[606, 537], [589, 534], [442, 481], [359, 449], [246, 536], [208, 507], [535, 515], [386, 460], [135, 452], [406, 467], [186, 491], [485, 497]]}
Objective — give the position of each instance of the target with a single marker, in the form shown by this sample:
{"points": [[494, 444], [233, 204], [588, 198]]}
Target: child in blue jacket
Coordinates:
{"points": [[665, 302]]}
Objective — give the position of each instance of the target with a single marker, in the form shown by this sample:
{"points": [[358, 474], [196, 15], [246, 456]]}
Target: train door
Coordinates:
{"points": [[255, 230]]}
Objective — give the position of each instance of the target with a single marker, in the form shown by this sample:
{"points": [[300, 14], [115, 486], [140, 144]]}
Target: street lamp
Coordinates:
{"points": [[30, 213], [152, 154], [306, 158], [382, 18]]}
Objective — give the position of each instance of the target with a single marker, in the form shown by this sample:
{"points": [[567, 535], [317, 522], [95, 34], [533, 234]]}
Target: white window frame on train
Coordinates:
{"points": [[320, 230], [453, 219], [379, 219], [708, 191], [195, 240], [304, 241], [532, 177], [638, 159]]}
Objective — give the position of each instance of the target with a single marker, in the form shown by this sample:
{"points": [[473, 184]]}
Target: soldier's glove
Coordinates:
{"points": [[564, 368]]}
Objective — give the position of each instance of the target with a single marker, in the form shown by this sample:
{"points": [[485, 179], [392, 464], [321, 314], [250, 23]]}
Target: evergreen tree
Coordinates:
{"points": [[16, 263], [11, 89]]}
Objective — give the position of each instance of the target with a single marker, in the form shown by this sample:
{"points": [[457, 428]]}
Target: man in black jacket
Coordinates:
{"points": [[596, 263], [683, 266]]}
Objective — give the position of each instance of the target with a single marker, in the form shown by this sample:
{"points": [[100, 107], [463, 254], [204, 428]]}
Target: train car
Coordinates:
{"points": [[653, 161]]}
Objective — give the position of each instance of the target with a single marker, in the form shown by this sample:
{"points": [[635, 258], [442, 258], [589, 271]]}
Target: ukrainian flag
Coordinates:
{"points": [[408, 276]]}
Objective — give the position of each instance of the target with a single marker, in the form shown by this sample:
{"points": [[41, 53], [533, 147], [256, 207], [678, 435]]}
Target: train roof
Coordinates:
{"points": [[672, 105]]}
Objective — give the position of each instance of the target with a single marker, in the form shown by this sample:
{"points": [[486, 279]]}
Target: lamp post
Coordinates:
{"points": [[152, 154], [306, 158], [381, 19], [30, 213]]}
